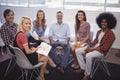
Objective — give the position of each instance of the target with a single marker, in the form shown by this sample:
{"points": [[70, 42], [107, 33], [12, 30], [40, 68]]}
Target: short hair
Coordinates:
{"points": [[59, 12], [7, 11], [111, 20]]}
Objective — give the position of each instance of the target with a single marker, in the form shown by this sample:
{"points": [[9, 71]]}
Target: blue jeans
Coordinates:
{"points": [[61, 60]]}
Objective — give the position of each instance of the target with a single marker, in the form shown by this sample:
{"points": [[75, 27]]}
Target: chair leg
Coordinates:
{"points": [[22, 75], [94, 68], [37, 72], [26, 74], [8, 67], [105, 68]]}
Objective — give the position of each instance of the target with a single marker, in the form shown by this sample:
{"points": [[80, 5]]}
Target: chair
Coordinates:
{"points": [[100, 62], [5, 55], [2, 45], [91, 36], [24, 63]]}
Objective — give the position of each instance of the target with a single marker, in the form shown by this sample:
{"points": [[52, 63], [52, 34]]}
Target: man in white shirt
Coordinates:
{"points": [[59, 35]]}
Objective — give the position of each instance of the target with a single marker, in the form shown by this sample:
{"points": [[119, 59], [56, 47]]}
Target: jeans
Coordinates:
{"points": [[61, 60]]}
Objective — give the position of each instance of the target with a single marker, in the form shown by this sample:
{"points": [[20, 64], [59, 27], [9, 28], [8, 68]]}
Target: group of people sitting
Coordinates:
{"points": [[83, 50]]}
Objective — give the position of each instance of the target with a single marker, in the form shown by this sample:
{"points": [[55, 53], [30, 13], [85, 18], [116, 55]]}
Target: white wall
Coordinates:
{"points": [[69, 17]]}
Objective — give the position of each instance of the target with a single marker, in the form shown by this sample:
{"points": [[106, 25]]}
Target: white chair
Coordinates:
{"points": [[23, 62], [12, 59], [100, 62], [1, 45]]}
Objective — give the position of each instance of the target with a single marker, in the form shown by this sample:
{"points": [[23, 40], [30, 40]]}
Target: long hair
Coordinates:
{"points": [[76, 19], [20, 26], [37, 23], [111, 20]]}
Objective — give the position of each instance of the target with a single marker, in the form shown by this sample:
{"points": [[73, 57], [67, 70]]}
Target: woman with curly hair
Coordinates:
{"points": [[100, 45]]}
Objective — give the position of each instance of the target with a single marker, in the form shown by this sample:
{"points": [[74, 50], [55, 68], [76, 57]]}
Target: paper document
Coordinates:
{"points": [[44, 49]]}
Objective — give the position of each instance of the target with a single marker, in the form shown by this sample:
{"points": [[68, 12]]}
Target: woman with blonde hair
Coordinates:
{"points": [[22, 42]]}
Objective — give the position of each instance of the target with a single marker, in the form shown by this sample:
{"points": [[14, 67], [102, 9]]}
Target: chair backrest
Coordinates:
{"points": [[91, 36], [1, 41], [21, 60]]}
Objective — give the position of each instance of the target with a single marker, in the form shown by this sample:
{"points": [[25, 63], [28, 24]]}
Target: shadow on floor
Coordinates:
{"points": [[54, 74]]}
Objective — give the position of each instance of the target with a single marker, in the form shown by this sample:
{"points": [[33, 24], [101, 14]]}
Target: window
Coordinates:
{"points": [[89, 5]]}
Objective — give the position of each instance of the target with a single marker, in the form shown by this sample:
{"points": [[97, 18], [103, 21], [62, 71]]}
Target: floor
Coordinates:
{"points": [[69, 73]]}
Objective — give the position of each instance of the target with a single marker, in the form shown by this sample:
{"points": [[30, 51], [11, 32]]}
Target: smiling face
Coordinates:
{"points": [[40, 15], [81, 16], [59, 17], [26, 25], [10, 17], [104, 24]]}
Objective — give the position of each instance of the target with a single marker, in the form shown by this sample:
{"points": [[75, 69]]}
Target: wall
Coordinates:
{"points": [[68, 17]]}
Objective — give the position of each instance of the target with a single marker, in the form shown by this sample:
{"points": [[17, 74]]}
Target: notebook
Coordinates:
{"points": [[44, 49]]}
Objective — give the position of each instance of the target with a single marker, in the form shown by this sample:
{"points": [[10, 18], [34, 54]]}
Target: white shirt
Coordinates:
{"points": [[99, 38], [59, 31]]}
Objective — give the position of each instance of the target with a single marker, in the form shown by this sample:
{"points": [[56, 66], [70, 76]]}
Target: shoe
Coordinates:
{"points": [[61, 69], [86, 78], [75, 66], [79, 71]]}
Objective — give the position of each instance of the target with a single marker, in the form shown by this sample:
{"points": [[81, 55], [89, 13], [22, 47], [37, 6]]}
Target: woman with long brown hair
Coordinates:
{"points": [[39, 24], [82, 31]]}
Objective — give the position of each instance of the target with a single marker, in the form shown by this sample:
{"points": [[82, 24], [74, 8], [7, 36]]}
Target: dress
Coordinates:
{"points": [[83, 31], [21, 40]]}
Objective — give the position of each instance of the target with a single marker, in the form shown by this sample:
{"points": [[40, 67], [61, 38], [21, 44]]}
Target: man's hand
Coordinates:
{"points": [[89, 49], [52, 42]]}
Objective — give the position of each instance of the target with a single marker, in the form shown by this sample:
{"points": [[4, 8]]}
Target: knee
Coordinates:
{"points": [[78, 51], [46, 58], [73, 49], [88, 56]]}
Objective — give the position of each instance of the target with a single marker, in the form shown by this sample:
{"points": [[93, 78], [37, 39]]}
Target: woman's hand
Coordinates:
{"points": [[33, 49], [38, 47], [77, 44]]}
